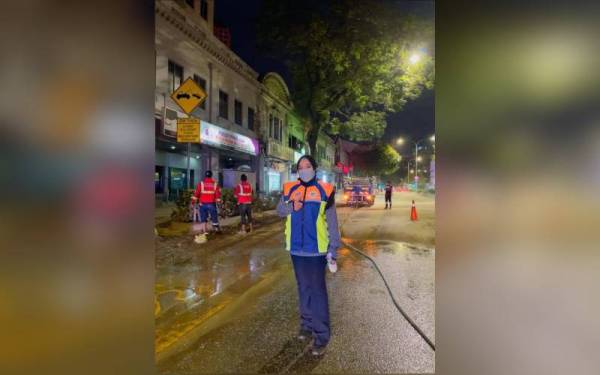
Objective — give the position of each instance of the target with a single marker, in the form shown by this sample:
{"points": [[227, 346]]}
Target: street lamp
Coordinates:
{"points": [[400, 141], [414, 58], [417, 157]]}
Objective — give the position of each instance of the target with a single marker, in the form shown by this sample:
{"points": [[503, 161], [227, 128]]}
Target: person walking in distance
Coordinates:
{"points": [[208, 194], [243, 193], [388, 194], [312, 238]]}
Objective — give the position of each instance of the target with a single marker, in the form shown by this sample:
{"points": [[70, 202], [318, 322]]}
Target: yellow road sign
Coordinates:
{"points": [[188, 130], [189, 95]]}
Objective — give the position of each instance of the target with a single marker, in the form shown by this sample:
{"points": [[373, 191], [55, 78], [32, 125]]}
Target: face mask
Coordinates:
{"points": [[306, 174]]}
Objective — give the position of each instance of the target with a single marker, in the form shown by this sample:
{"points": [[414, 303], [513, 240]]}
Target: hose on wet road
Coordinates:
{"points": [[404, 314], [408, 319]]}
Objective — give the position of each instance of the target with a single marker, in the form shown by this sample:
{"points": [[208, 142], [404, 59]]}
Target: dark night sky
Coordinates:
{"points": [[416, 121]]}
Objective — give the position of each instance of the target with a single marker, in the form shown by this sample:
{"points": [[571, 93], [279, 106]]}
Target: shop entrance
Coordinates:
{"points": [[233, 165]]}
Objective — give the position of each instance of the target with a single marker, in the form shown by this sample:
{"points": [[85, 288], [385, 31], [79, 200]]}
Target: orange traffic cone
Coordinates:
{"points": [[413, 212]]}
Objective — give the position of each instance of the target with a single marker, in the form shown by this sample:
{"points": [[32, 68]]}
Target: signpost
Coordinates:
{"points": [[188, 96]]}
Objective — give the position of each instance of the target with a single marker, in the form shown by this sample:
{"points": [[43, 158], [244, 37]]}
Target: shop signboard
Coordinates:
{"points": [[188, 130], [216, 136]]}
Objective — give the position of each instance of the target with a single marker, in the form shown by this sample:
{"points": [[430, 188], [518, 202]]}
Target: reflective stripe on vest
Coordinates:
{"points": [[241, 193], [205, 191]]}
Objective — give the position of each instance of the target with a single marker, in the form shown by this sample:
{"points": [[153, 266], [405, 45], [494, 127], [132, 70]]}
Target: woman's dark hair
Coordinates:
{"points": [[208, 174], [310, 159], [244, 177]]}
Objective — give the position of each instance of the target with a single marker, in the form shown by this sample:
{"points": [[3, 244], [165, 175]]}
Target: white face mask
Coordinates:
{"points": [[306, 174]]}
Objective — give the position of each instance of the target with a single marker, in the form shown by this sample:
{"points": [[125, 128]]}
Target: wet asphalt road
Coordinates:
{"points": [[235, 309]]}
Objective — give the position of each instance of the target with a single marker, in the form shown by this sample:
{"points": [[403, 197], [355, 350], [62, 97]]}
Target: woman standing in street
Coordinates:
{"points": [[312, 238]]}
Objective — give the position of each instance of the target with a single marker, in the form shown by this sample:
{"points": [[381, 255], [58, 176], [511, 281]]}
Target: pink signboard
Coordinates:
{"points": [[216, 136]]}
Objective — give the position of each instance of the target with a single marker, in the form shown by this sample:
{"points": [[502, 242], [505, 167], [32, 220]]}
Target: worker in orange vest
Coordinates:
{"points": [[243, 193], [208, 194]]}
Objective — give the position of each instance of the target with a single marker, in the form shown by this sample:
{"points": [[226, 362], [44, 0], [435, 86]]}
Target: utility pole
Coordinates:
{"points": [[188, 175], [416, 165]]}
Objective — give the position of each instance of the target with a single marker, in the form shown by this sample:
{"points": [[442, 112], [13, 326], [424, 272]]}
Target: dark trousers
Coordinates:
{"points": [[312, 293], [209, 209], [388, 198], [245, 213]]}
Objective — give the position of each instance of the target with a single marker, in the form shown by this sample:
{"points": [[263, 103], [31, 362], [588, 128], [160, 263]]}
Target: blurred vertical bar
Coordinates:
{"points": [[518, 204], [77, 146]]}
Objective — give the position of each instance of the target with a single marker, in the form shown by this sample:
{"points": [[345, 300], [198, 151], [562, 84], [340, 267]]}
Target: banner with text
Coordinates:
{"points": [[216, 136]]}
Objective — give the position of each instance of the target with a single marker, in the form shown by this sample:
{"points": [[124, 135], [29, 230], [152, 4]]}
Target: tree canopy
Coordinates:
{"points": [[361, 126], [348, 57], [382, 160]]}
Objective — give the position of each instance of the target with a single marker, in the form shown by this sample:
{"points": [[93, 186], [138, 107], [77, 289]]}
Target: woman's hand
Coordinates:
{"points": [[297, 205]]}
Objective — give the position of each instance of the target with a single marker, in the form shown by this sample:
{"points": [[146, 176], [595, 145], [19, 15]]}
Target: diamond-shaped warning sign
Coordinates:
{"points": [[189, 95]]}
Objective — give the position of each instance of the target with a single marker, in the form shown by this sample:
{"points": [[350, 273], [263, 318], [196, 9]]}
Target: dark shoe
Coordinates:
{"points": [[304, 335], [318, 350]]}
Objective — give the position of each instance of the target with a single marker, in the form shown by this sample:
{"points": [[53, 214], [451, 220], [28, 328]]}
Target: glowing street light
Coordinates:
{"points": [[417, 157], [414, 58]]}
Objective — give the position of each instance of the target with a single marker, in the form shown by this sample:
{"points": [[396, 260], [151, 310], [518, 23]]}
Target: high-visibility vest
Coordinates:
{"points": [[207, 191], [244, 196], [306, 229]]}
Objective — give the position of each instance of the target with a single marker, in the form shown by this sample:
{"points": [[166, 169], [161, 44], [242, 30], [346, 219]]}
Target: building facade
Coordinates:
{"points": [[276, 156], [325, 157], [248, 126], [296, 141], [186, 47]]}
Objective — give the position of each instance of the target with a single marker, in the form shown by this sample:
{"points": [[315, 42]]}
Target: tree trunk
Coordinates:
{"points": [[313, 136]]}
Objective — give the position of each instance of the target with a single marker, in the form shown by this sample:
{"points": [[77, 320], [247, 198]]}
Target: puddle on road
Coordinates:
{"points": [[194, 297], [409, 269], [373, 247], [185, 322]]}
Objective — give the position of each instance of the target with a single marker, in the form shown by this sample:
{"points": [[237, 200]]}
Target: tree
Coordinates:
{"points": [[381, 160], [346, 57], [361, 126]]}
